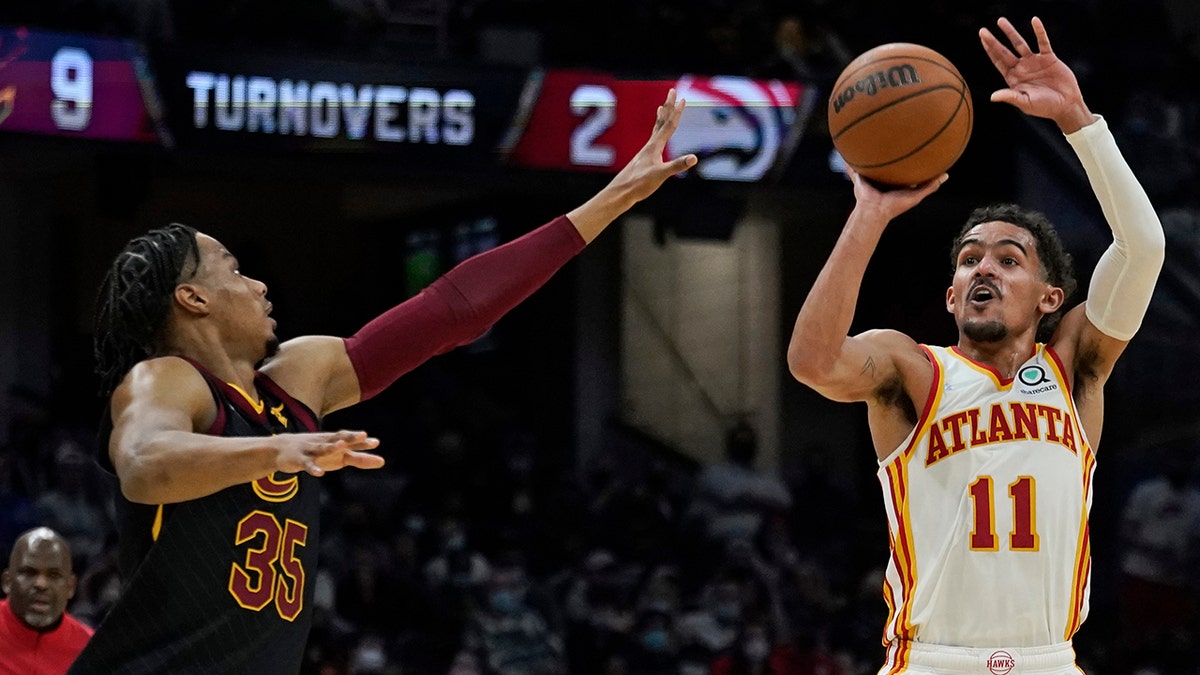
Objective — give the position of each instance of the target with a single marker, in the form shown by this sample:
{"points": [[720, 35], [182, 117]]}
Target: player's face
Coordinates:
{"points": [[238, 303], [999, 289], [39, 582]]}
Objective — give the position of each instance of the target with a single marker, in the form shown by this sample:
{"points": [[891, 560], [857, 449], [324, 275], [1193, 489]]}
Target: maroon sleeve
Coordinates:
{"points": [[460, 306]]}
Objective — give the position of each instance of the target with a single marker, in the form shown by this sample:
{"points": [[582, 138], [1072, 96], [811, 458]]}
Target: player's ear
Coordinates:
{"points": [[1052, 300], [5, 583], [950, 301], [192, 298]]}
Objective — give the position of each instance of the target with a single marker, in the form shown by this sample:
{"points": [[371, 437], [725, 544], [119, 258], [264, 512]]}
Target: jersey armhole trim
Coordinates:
{"points": [[1062, 372], [931, 399], [218, 425]]}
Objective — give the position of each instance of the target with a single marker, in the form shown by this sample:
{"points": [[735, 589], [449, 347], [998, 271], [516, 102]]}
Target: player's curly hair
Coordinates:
{"points": [[135, 299], [1055, 261]]}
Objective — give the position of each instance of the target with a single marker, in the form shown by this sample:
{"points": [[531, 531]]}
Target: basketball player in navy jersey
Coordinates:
{"points": [[986, 448], [217, 457]]}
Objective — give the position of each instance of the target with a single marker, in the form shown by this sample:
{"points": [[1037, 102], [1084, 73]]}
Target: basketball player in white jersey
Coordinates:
{"points": [[986, 448]]}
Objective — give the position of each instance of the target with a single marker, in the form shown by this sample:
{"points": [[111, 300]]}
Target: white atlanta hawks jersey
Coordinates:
{"points": [[987, 503]]}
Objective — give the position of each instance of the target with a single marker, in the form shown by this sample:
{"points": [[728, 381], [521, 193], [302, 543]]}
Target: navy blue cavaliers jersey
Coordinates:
{"points": [[220, 584]]}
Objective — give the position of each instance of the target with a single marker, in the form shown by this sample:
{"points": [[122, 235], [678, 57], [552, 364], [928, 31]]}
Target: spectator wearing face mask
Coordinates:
{"points": [[506, 634], [710, 629], [597, 611], [653, 647], [457, 566], [761, 650]]}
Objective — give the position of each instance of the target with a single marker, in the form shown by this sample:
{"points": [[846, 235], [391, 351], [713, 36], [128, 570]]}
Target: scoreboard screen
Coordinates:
{"points": [[416, 115], [76, 86], [741, 129]]}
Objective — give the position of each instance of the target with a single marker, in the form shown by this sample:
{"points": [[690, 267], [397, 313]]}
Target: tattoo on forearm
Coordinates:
{"points": [[869, 367]]}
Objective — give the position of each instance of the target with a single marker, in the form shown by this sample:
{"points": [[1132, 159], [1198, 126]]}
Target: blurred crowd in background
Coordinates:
{"points": [[473, 553], [466, 555]]}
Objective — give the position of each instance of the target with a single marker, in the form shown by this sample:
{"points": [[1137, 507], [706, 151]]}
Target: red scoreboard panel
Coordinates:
{"points": [[740, 128], [75, 86]]}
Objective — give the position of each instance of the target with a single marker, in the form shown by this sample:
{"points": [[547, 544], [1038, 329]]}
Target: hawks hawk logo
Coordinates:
{"points": [[734, 125]]}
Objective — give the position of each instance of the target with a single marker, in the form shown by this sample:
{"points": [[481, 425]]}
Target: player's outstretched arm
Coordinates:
{"points": [[161, 458], [328, 373], [1040, 84], [640, 178], [821, 354]]}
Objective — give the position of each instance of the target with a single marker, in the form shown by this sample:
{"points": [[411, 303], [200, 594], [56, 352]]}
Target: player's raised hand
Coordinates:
{"points": [[647, 170], [890, 203], [1039, 83], [317, 453], [644, 174]]}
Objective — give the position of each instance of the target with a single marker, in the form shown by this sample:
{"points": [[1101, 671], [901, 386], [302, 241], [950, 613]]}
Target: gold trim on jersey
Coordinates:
{"points": [[991, 372], [932, 401], [1068, 396], [902, 549], [156, 528], [1024, 413], [897, 656], [899, 621], [1083, 551], [257, 405], [268, 488]]}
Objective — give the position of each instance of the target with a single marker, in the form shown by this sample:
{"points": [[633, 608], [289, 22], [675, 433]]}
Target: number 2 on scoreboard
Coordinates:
{"points": [[598, 106]]}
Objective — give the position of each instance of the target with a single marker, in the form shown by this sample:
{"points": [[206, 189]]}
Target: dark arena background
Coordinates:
{"points": [[349, 151]]}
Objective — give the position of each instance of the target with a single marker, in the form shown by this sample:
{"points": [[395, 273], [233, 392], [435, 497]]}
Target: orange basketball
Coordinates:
{"points": [[900, 114]]}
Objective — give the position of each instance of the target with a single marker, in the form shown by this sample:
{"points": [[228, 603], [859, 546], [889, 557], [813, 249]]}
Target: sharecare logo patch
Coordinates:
{"points": [[1000, 663]]}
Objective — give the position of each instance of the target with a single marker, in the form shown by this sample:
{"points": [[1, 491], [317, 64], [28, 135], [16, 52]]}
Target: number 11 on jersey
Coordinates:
{"points": [[1022, 493]]}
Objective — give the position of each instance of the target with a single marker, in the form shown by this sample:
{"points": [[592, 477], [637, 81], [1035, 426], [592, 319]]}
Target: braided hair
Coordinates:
{"points": [[135, 299]]}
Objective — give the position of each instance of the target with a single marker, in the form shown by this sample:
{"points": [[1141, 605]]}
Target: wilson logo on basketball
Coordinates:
{"points": [[896, 76], [900, 114], [1000, 663]]}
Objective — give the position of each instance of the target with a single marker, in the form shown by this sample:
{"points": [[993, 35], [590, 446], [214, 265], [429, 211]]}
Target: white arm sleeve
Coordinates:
{"points": [[1124, 279]]}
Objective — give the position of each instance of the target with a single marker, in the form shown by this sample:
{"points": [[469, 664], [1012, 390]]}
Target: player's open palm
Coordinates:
{"points": [[1039, 83], [317, 453], [890, 203], [647, 171]]}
